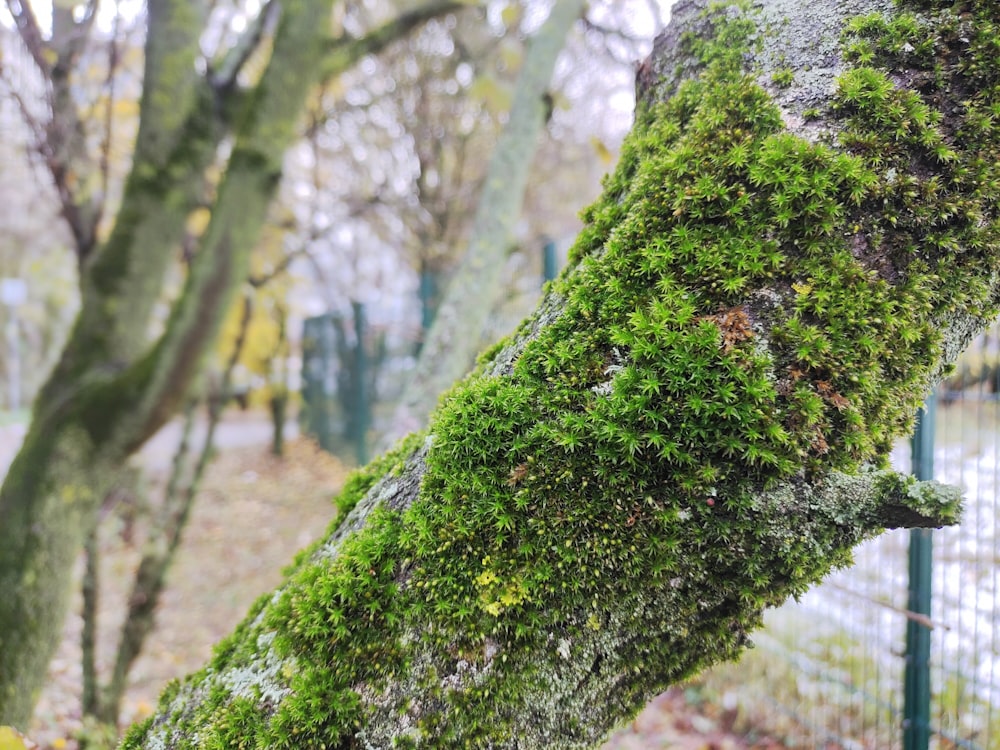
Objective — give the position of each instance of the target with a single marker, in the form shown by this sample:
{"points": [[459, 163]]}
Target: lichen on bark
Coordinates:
{"points": [[695, 425]]}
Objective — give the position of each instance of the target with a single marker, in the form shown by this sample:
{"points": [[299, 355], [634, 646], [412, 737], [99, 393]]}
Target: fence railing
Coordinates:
{"points": [[901, 650]]}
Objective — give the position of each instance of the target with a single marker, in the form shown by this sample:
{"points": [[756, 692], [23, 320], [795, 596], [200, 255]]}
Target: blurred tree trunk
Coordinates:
{"points": [[111, 389], [454, 338], [689, 428]]}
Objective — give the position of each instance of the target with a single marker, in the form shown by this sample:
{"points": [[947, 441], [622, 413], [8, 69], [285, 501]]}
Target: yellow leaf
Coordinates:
{"points": [[11, 739], [801, 288], [510, 15], [494, 95], [197, 220], [126, 108], [603, 152], [512, 55], [59, 743]]}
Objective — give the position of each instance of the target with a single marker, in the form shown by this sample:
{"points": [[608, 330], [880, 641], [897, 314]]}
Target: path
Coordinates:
{"points": [[236, 430]]}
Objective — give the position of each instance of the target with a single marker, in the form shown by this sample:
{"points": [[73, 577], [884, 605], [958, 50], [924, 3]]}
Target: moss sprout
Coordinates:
{"points": [[783, 77]]}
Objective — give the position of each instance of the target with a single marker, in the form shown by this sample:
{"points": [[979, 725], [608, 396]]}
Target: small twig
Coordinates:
{"points": [[88, 637], [229, 69], [104, 165], [909, 614], [630, 43], [30, 32], [263, 280], [610, 32], [36, 128]]}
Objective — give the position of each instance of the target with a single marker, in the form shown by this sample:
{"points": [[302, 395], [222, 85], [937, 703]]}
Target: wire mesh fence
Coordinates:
{"points": [[830, 671]]}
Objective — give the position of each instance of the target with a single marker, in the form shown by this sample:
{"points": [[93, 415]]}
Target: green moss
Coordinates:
{"points": [[138, 732], [749, 319], [361, 480], [783, 77], [490, 352]]}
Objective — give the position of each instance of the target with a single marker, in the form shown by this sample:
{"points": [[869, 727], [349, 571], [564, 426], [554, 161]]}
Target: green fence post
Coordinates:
{"points": [[917, 677], [361, 406], [430, 297], [317, 392], [549, 263]]}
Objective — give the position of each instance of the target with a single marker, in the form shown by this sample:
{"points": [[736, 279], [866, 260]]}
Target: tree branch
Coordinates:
{"points": [[344, 52], [31, 34], [224, 77], [262, 280], [179, 498], [453, 340], [109, 392], [69, 36], [162, 377], [104, 165]]}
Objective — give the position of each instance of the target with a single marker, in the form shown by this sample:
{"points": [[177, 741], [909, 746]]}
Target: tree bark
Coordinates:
{"points": [[801, 235], [111, 390]]}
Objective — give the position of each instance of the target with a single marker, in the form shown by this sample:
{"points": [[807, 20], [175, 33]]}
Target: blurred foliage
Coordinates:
{"points": [[261, 368]]}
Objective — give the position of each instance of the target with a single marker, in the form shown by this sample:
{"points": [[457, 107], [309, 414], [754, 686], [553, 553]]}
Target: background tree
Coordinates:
{"points": [[453, 339], [687, 431], [112, 388]]}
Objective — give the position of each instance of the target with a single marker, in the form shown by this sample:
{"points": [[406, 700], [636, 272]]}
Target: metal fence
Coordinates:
{"points": [[349, 381], [901, 650]]}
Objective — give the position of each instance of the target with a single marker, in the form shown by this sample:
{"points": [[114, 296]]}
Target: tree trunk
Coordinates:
{"points": [[801, 234], [111, 390]]}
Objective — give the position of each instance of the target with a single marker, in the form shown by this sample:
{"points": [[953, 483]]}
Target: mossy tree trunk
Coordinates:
{"points": [[111, 388], [801, 235]]}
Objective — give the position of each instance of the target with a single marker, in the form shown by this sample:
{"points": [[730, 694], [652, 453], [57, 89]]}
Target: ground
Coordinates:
{"points": [[253, 513]]}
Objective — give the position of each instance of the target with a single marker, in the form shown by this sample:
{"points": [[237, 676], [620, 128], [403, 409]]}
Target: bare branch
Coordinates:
{"points": [[109, 83], [70, 37], [166, 537], [45, 145], [90, 13], [61, 139], [624, 52], [31, 33], [36, 127], [909, 614], [225, 76], [345, 51], [264, 279], [609, 31]]}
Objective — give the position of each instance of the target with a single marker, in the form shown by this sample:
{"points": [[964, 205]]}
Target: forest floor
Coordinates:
{"points": [[253, 513]]}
